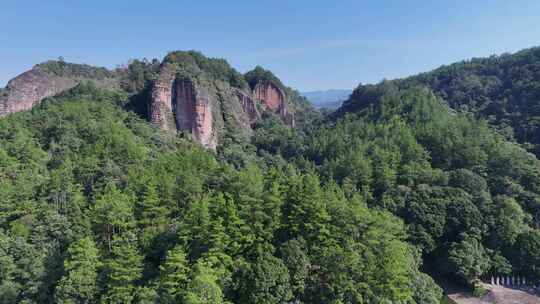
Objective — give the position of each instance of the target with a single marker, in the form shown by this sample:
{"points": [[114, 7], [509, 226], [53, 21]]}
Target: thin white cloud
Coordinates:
{"points": [[323, 45]]}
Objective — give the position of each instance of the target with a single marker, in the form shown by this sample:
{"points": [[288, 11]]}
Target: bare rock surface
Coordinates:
{"points": [[46, 80], [30, 88], [274, 98]]}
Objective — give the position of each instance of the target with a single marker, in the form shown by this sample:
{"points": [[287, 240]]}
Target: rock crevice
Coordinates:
{"points": [[179, 105]]}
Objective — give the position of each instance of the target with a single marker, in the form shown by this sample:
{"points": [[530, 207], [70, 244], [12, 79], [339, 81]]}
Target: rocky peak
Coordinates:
{"points": [[188, 93], [208, 99], [45, 80], [30, 88]]}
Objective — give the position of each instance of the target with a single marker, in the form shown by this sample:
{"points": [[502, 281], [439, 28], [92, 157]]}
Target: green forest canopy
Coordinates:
{"points": [[98, 206]]}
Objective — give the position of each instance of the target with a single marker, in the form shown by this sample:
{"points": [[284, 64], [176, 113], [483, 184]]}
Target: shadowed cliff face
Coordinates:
{"points": [[248, 105], [193, 111], [30, 88]]}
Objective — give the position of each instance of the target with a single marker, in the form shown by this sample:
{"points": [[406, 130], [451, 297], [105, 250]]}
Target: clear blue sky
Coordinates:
{"points": [[308, 44]]}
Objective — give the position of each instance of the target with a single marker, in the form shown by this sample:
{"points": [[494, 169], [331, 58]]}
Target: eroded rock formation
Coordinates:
{"points": [[270, 94], [30, 88], [248, 105], [179, 105], [186, 96], [160, 106], [274, 98]]}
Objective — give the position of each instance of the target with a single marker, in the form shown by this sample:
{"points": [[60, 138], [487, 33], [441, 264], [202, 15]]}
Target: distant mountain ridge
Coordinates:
{"points": [[502, 89], [330, 99]]}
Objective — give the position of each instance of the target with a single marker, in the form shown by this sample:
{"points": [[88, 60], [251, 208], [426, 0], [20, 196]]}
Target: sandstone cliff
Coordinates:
{"points": [[187, 93], [209, 100], [179, 104], [46, 80], [29, 88], [274, 98]]}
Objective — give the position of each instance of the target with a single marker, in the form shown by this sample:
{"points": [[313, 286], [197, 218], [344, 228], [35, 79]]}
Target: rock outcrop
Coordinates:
{"points": [[248, 105], [189, 93], [274, 98], [179, 105], [160, 106], [30, 88], [49, 79]]}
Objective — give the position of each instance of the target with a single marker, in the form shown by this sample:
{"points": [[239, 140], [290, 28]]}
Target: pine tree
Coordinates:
{"points": [[124, 269], [78, 285], [203, 287], [153, 214], [305, 211], [174, 275], [113, 214]]}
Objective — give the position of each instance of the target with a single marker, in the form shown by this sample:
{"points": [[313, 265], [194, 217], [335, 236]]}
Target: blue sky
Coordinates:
{"points": [[309, 44]]}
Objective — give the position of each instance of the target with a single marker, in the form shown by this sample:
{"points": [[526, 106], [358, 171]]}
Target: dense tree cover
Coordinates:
{"points": [[66, 69], [469, 198], [504, 90], [97, 206], [194, 62]]}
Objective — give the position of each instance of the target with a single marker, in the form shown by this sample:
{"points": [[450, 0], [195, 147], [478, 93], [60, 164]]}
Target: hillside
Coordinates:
{"points": [[99, 205], [48, 79], [185, 181], [503, 90], [188, 93]]}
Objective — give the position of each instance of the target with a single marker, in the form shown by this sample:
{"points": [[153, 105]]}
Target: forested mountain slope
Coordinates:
{"points": [[187, 93], [100, 203], [503, 90], [99, 206], [470, 198]]}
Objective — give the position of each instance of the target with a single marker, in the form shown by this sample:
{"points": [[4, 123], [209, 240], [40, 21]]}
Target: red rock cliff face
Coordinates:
{"points": [[161, 104], [30, 88], [270, 94], [193, 111], [274, 98], [178, 105], [201, 127]]}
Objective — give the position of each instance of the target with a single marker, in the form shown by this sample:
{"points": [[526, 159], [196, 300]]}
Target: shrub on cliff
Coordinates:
{"points": [[195, 62]]}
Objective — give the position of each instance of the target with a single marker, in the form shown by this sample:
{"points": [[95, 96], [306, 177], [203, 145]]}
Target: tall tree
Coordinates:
{"points": [[123, 270], [79, 282], [174, 275]]}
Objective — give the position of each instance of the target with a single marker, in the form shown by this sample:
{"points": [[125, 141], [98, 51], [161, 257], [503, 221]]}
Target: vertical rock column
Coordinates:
{"points": [[161, 105], [270, 95], [202, 123], [248, 105], [193, 111]]}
